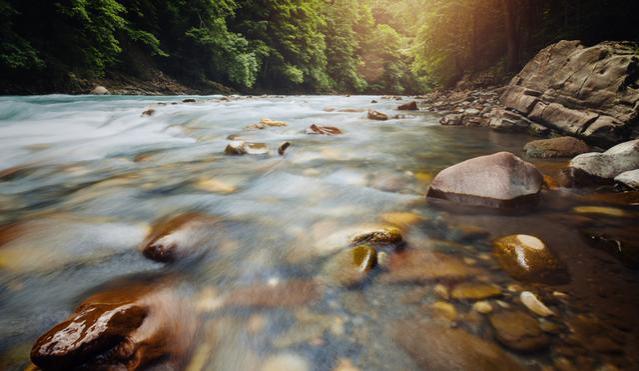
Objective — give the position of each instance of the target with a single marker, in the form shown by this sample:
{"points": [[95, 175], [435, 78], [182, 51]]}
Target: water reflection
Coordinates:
{"points": [[259, 261]]}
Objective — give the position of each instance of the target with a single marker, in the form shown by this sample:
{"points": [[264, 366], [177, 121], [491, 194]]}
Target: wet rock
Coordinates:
{"points": [[482, 307], [501, 180], [444, 310], [283, 147], [556, 147], [386, 236], [286, 361], [178, 237], [403, 220], [189, 100], [519, 331], [275, 123], [410, 106], [629, 179], [475, 291], [601, 168], [376, 115], [149, 112], [602, 211], [100, 90], [350, 267], [239, 147], [129, 325], [323, 130], [424, 266], [287, 294], [436, 347], [530, 301], [527, 258]]}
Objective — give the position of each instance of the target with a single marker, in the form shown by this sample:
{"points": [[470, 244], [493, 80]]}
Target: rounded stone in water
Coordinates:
{"points": [[527, 258]]}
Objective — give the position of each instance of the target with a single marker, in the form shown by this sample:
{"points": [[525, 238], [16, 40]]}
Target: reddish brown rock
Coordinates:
{"points": [[178, 237], [129, 326], [323, 130], [410, 106]]}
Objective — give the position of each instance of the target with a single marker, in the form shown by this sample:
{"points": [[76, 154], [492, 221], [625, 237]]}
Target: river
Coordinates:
{"points": [[84, 179]]}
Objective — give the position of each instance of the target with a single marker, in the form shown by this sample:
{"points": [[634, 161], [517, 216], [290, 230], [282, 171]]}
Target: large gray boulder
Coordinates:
{"points": [[601, 168], [500, 180], [589, 92]]}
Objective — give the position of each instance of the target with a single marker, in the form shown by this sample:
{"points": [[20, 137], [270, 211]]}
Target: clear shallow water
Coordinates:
{"points": [[84, 179]]}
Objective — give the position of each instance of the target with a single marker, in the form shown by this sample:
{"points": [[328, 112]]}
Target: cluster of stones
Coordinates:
{"points": [[465, 107]]}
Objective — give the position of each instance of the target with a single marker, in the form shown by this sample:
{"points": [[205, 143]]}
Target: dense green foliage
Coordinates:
{"points": [[457, 37], [380, 46]]}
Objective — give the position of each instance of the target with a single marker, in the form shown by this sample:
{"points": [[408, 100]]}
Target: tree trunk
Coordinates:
{"points": [[512, 39]]}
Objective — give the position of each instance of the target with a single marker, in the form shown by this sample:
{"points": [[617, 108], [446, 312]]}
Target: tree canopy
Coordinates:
{"points": [[380, 46]]}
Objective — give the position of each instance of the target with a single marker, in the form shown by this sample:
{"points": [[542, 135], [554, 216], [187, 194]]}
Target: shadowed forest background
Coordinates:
{"points": [[290, 46]]}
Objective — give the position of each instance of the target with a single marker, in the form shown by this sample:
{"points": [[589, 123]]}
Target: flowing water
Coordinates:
{"points": [[83, 181]]}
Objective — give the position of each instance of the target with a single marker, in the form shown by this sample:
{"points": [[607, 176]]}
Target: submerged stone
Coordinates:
{"points": [[535, 305], [350, 267], [386, 236], [424, 266], [527, 258], [239, 147], [501, 180], [519, 331], [128, 326], [475, 291], [436, 347], [287, 294]]}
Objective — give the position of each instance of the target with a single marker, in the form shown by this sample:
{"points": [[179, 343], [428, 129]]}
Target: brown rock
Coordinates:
{"points": [[435, 347], [129, 325], [177, 237], [475, 291], [410, 106], [423, 266], [283, 147], [556, 147], [528, 258], [323, 130], [519, 331], [376, 115]]}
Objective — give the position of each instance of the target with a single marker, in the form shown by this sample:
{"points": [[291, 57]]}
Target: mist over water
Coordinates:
{"points": [[84, 179]]}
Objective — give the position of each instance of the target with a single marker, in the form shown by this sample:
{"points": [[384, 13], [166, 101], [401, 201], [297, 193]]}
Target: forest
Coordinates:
{"points": [[292, 46]]}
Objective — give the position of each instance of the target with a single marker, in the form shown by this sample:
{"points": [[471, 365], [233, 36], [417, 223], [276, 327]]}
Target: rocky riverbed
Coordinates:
{"points": [[294, 233]]}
